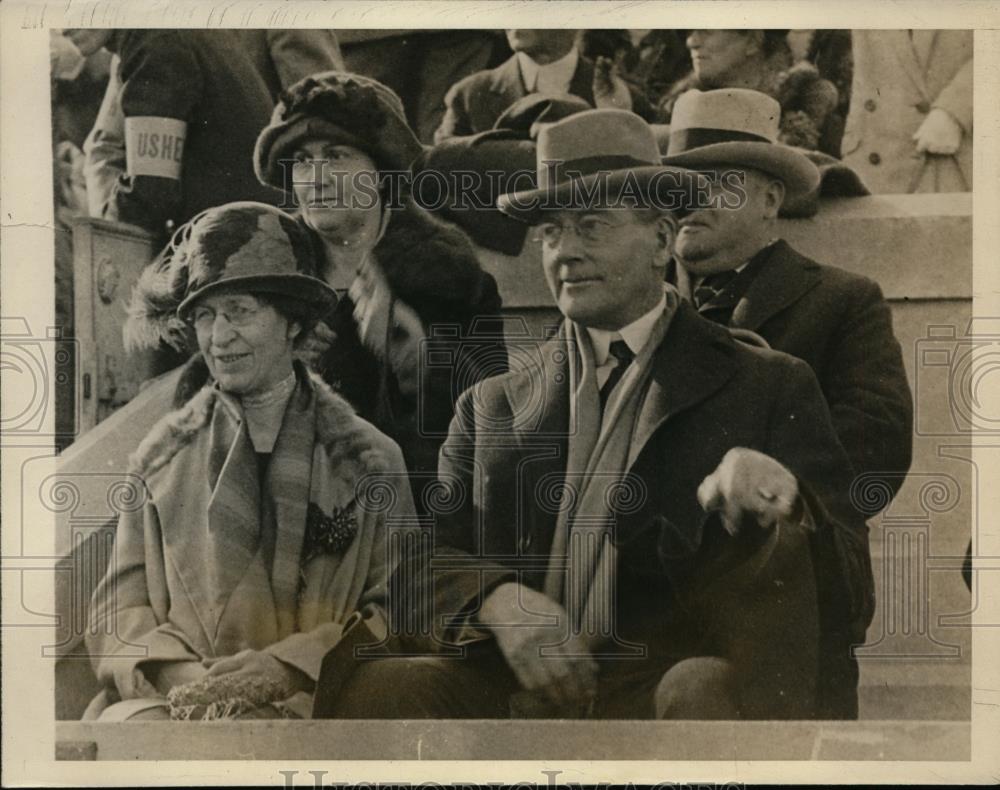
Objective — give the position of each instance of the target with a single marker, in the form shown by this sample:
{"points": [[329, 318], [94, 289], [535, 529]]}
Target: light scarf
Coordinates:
{"points": [[583, 559]]}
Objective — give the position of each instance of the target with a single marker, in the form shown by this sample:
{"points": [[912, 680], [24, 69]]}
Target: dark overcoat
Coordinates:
{"points": [[841, 325], [475, 103], [209, 80], [683, 586]]}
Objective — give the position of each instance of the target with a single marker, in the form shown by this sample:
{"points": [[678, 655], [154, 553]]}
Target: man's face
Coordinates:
{"points": [[717, 56], [605, 268], [535, 43], [87, 40], [718, 239]]}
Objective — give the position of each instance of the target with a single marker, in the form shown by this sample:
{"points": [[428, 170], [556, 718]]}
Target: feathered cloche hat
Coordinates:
{"points": [[246, 246]]}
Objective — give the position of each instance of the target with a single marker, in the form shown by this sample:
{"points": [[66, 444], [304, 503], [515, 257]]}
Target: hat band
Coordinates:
{"points": [[551, 172], [685, 139]]}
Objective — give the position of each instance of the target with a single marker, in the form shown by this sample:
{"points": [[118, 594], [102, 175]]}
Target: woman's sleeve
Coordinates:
{"points": [[124, 631], [956, 97]]}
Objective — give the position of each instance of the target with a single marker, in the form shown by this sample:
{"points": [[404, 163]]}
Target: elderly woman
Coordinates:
{"points": [[418, 319], [762, 60], [258, 532]]}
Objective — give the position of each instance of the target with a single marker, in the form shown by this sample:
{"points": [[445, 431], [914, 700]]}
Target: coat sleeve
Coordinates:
{"points": [[124, 630], [298, 53], [459, 580], [956, 97], [163, 84], [104, 148], [392, 508], [803, 439], [869, 397]]}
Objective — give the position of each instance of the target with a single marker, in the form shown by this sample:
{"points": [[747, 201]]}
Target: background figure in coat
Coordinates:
{"points": [[413, 290], [910, 124], [544, 61], [738, 273], [193, 103], [280, 57], [255, 540], [642, 523], [731, 264], [421, 65]]}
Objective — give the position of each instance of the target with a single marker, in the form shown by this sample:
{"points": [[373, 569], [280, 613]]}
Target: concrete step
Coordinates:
{"points": [[513, 740]]}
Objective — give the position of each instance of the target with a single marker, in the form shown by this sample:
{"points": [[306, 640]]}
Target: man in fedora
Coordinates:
{"points": [[738, 273], [637, 524]]}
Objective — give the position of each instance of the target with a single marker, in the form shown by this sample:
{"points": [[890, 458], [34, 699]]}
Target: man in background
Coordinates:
{"points": [[547, 62], [910, 124], [280, 58], [736, 270]]}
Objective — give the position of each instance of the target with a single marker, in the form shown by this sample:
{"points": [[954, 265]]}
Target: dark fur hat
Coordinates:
{"points": [[337, 105]]}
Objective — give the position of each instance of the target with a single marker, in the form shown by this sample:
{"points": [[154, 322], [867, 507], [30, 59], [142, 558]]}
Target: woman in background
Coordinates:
{"points": [[762, 60], [418, 321]]}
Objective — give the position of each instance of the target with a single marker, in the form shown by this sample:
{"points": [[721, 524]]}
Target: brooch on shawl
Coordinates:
{"points": [[328, 534]]}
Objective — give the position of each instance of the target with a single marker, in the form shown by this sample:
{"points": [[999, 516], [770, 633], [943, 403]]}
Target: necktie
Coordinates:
{"points": [[711, 287], [623, 354]]}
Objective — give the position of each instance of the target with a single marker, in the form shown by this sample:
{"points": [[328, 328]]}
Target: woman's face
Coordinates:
{"points": [[717, 56], [246, 342], [336, 187]]}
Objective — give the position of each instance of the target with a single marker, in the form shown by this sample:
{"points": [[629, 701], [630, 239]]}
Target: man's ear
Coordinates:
{"points": [[666, 234], [293, 331], [774, 196]]}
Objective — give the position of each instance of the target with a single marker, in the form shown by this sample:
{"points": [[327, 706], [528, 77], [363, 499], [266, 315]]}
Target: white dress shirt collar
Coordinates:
{"points": [[635, 335], [554, 77]]}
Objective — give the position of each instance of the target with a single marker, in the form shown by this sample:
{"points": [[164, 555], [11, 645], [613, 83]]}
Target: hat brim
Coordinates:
{"points": [[665, 187], [314, 294], [799, 175]]}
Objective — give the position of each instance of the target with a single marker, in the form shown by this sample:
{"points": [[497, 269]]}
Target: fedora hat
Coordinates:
{"points": [[244, 246], [601, 159], [339, 106], [738, 127]]}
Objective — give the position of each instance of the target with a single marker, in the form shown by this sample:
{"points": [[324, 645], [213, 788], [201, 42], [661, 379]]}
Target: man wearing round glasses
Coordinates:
{"points": [[653, 520]]}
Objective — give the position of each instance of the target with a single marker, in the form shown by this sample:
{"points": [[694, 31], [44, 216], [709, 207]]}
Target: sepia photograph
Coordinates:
{"points": [[483, 396]]}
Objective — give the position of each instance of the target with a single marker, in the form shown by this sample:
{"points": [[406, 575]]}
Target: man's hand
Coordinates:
{"points": [[566, 674], [939, 133], [312, 346], [749, 483], [610, 91], [254, 662]]}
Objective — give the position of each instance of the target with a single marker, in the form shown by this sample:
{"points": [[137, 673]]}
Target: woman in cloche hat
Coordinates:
{"points": [[249, 543], [333, 142]]}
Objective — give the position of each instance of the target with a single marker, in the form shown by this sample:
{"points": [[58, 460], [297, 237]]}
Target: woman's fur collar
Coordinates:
{"points": [[433, 267], [338, 428]]}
